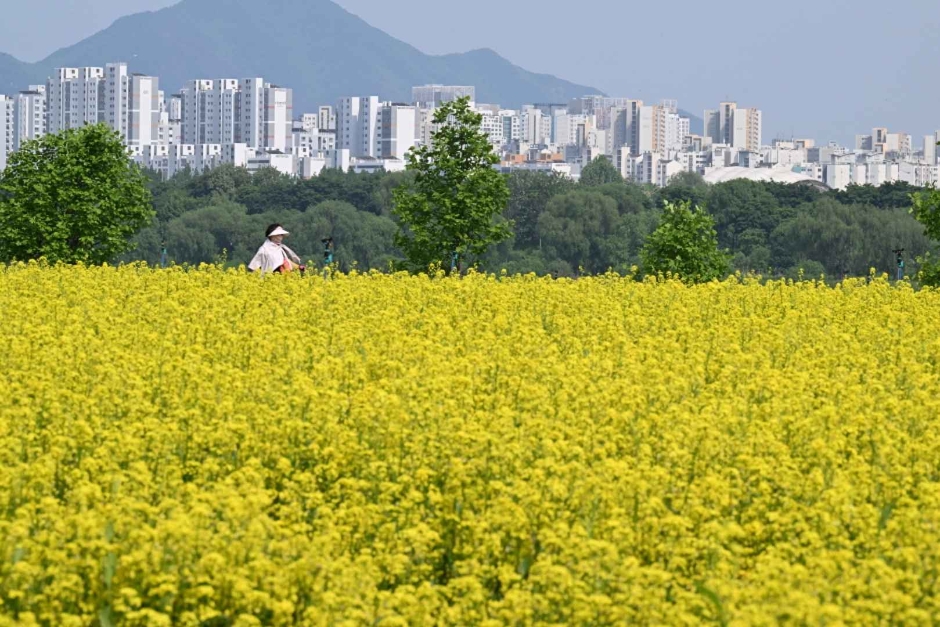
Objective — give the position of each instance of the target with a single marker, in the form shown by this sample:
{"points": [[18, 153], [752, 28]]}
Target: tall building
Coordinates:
{"points": [[398, 124], [326, 118], [143, 118], [308, 122], [623, 127], [116, 102], [747, 130], [229, 111], [194, 99], [7, 115], [571, 129], [731, 126], [898, 142], [357, 123], [174, 107], [278, 114], [719, 123], [599, 106], [536, 126], [431, 96], [250, 105], [75, 97], [30, 120]]}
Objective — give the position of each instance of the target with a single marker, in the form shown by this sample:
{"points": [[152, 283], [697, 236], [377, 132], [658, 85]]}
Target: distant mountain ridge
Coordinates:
{"points": [[315, 47]]}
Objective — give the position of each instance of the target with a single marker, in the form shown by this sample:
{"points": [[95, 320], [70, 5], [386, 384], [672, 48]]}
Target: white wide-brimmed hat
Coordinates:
{"points": [[279, 231]]}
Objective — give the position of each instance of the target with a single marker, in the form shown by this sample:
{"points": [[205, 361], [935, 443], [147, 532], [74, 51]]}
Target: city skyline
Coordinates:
{"points": [[816, 75], [252, 123]]}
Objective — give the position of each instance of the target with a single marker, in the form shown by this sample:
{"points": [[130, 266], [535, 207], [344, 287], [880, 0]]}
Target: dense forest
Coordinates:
{"points": [[561, 227]]}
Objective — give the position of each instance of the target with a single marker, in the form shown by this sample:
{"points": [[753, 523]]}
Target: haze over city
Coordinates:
{"points": [[830, 73]]}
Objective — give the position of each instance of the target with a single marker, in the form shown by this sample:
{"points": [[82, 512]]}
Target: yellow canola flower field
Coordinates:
{"points": [[208, 447]]}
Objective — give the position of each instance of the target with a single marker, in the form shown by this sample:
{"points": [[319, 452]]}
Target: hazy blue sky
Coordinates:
{"points": [[826, 69]]}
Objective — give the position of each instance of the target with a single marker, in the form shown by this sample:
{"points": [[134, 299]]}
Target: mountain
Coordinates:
{"points": [[314, 46], [14, 74]]}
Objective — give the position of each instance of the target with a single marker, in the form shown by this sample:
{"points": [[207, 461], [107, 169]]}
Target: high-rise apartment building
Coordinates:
{"points": [[398, 124], [278, 103], [747, 130], [326, 119], [571, 129], [30, 115], [930, 149], [357, 125], [75, 97], [230, 111], [7, 117], [143, 118], [197, 103], [601, 107], [719, 123], [431, 96], [623, 127], [731, 126], [536, 126], [116, 103]]}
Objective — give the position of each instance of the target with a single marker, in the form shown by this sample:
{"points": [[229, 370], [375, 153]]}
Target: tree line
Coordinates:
{"points": [[75, 197], [559, 227]]}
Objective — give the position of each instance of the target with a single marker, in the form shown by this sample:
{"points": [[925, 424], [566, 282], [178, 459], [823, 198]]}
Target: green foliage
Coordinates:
{"points": [[771, 228], [529, 194], [576, 226], [72, 197], [741, 205], [600, 171], [895, 195], [454, 204], [926, 210], [685, 244]]}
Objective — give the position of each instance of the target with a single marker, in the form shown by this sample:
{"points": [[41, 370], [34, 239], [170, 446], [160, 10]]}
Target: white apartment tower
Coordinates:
{"points": [[75, 97], [623, 126], [752, 129], [731, 126], [7, 115], [536, 126], [116, 103], [326, 118], [196, 111], [143, 117], [357, 125], [930, 148], [30, 120], [432, 96], [210, 111], [369, 123], [251, 112], [278, 103], [398, 123], [230, 111]]}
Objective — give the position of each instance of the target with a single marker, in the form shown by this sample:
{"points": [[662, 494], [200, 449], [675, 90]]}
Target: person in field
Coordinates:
{"points": [[274, 256]]}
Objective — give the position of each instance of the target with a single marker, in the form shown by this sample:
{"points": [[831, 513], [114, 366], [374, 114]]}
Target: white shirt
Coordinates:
{"points": [[272, 256]]}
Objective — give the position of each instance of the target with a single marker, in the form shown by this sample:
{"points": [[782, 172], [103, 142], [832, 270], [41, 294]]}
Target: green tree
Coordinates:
{"points": [[685, 244], [575, 227], [72, 196], [600, 172], [530, 192], [926, 209], [452, 208]]}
